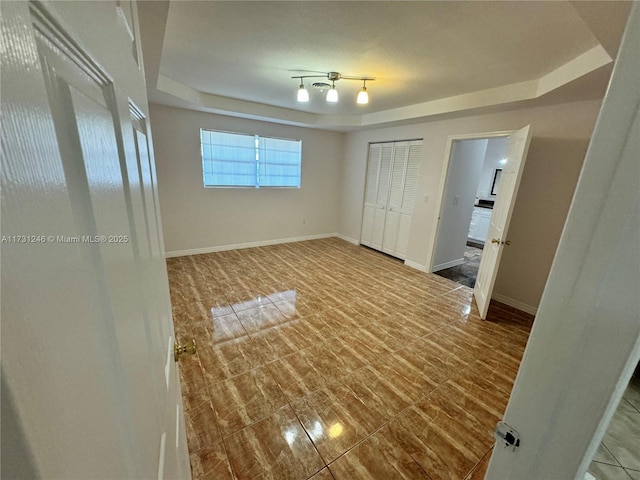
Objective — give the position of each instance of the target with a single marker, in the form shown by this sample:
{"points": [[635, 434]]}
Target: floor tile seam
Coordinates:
{"points": [[300, 350], [631, 404], [463, 450], [325, 385], [608, 463], [428, 477], [488, 408], [236, 394], [609, 451], [489, 452], [226, 452], [386, 423], [315, 447], [499, 372], [353, 392], [254, 422], [226, 455], [475, 427], [615, 457], [369, 435]]}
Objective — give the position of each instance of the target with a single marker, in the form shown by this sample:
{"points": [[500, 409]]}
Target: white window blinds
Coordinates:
{"points": [[240, 160]]}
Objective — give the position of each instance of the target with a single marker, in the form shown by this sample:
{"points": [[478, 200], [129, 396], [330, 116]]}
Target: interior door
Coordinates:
{"points": [[87, 337], [382, 195], [585, 342], [394, 204], [499, 225], [414, 158], [371, 193]]}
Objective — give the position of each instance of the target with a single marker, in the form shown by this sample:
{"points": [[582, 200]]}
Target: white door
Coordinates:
{"points": [[394, 204], [585, 342], [414, 158], [499, 225], [402, 195], [87, 368], [376, 194], [382, 195], [371, 193]]}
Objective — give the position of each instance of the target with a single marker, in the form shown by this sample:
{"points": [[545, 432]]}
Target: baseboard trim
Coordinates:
{"points": [[515, 303], [416, 265], [238, 246], [452, 263], [347, 239]]}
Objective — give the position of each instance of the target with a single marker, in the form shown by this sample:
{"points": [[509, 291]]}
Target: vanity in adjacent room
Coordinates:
{"points": [[480, 220]]}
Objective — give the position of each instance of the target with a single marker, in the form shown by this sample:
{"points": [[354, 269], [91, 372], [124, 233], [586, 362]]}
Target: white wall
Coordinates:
{"points": [[496, 151], [194, 217], [331, 197], [560, 138], [465, 165]]}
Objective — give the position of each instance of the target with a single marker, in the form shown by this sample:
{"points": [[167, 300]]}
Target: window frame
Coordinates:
{"points": [[259, 149]]}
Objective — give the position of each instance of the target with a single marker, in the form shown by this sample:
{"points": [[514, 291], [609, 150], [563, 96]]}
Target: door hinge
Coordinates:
{"points": [[507, 435]]}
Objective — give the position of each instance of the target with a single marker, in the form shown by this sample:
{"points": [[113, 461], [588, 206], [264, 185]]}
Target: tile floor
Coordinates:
{"points": [[466, 273], [619, 454], [326, 360]]}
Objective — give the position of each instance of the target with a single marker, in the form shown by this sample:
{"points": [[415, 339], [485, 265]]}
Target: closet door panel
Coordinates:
{"points": [[410, 183], [382, 195], [394, 205], [371, 193], [404, 226], [414, 155]]}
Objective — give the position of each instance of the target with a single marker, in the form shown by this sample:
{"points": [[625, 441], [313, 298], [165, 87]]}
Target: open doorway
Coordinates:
{"points": [[473, 174]]}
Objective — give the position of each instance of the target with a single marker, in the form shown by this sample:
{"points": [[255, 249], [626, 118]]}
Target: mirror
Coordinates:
{"points": [[496, 181]]}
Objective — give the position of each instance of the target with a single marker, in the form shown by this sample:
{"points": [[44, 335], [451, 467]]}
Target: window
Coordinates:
{"points": [[239, 160]]}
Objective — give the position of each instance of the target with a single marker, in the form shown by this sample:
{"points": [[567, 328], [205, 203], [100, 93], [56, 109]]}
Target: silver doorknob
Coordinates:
{"points": [[189, 348]]}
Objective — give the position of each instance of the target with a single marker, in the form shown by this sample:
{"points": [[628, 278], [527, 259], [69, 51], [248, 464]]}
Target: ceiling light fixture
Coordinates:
{"points": [[363, 96], [332, 94], [303, 95]]}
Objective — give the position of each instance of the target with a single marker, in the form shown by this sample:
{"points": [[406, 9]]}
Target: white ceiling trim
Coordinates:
{"points": [[587, 62], [583, 64]]}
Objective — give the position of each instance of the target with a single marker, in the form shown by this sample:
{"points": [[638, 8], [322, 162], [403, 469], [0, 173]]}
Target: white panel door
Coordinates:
{"points": [[394, 203], [585, 342], [382, 195], [371, 193], [499, 225], [86, 323]]}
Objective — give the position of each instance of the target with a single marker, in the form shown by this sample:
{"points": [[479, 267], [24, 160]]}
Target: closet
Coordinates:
{"points": [[390, 195]]}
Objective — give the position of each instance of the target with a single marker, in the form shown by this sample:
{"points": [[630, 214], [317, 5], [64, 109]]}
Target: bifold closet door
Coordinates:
{"points": [[376, 194], [394, 204], [414, 155], [402, 194], [392, 177]]}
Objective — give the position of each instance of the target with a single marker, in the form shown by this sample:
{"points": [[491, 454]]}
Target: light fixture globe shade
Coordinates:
{"points": [[303, 95], [332, 95], [363, 96]]}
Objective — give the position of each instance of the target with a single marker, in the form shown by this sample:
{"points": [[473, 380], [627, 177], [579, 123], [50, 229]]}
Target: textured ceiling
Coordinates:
{"points": [[428, 57]]}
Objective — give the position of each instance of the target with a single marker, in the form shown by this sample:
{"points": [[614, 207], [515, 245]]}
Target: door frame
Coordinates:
{"points": [[442, 184]]}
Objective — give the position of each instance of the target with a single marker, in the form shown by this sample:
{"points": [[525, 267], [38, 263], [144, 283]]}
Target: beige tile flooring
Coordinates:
{"points": [[619, 454], [326, 360]]}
